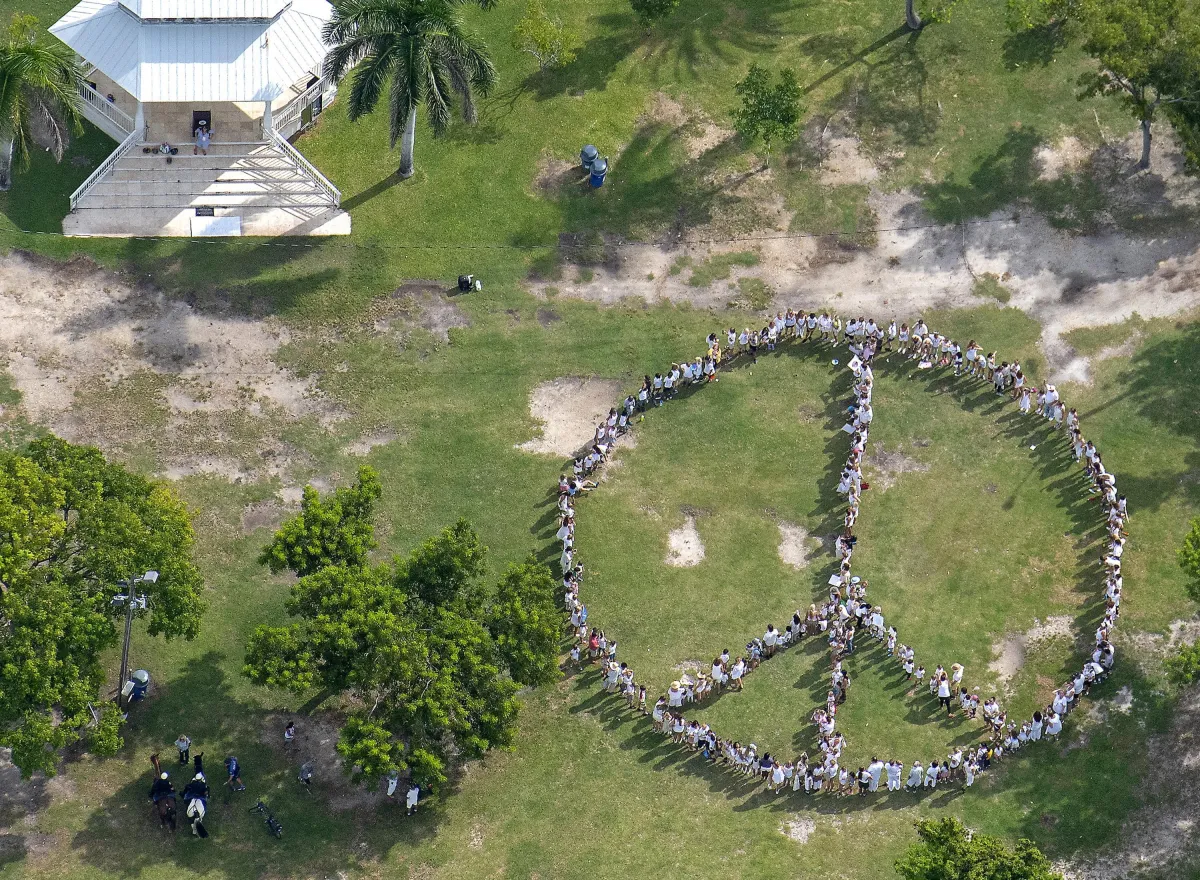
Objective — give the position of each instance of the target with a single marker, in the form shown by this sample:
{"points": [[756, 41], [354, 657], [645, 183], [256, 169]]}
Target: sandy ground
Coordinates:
{"points": [[1064, 280], [1011, 650], [684, 547], [798, 828], [884, 468], [316, 742], [569, 409], [795, 545]]}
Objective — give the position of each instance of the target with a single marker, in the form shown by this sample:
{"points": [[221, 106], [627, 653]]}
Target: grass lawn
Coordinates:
{"points": [[588, 784], [956, 111], [993, 530]]}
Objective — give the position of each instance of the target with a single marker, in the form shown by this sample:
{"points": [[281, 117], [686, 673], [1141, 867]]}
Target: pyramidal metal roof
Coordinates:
{"points": [[199, 50]]}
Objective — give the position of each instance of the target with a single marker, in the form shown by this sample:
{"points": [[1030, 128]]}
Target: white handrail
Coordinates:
{"points": [[133, 137], [114, 113], [308, 168], [292, 112]]}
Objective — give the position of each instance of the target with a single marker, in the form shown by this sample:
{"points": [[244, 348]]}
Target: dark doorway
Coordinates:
{"points": [[197, 116]]}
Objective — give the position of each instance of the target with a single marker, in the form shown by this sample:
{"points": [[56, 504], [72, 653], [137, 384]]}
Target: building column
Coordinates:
{"points": [[139, 121], [267, 119]]}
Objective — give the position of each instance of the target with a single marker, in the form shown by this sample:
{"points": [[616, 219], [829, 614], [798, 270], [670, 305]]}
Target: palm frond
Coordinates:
{"points": [[369, 78], [404, 97]]}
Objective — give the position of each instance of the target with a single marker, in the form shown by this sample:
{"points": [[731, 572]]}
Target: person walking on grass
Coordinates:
{"points": [[184, 745], [233, 768]]}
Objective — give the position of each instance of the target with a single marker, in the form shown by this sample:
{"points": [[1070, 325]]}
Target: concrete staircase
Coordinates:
{"points": [[251, 189]]}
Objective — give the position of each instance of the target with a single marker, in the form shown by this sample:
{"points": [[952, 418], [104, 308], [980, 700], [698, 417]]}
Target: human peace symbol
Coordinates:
{"points": [[848, 613]]}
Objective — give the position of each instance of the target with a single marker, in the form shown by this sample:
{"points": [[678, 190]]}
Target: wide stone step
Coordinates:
{"points": [[266, 221], [180, 175], [181, 192], [101, 201]]}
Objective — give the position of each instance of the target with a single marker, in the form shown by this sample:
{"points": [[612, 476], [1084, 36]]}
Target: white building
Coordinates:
{"points": [[250, 70]]}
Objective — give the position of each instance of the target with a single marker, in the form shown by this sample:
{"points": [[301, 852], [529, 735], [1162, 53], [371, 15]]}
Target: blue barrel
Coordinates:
{"points": [[587, 156], [599, 169], [141, 684]]}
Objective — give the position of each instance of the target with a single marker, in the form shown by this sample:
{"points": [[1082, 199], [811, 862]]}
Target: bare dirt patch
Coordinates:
{"points": [[316, 741], [845, 163], [887, 467], [569, 410], [262, 515], [1011, 650], [1062, 278], [1066, 156], [364, 444], [423, 304], [795, 545], [1162, 836], [684, 547], [71, 332], [553, 174], [798, 828]]}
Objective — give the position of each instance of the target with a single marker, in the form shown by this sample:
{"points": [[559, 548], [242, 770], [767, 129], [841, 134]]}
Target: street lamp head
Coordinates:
{"points": [[149, 577], [119, 598]]}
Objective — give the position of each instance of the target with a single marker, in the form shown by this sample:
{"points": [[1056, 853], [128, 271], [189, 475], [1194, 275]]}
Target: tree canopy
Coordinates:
{"points": [[1189, 559], [327, 531], [650, 11], [39, 85], [947, 850], [429, 656], [544, 37], [420, 51], [71, 526], [1148, 53], [770, 111]]}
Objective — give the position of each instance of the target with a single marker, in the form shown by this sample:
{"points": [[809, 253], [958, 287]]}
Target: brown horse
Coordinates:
{"points": [[164, 807]]}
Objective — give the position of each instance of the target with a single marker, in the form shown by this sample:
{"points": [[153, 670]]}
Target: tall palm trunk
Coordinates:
{"points": [[6, 162], [406, 145], [1144, 162], [911, 16]]}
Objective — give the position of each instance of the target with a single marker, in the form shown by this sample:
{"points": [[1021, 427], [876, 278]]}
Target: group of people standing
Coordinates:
{"points": [[846, 613]]}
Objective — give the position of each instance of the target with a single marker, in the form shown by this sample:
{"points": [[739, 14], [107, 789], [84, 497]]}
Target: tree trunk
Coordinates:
{"points": [[406, 145], [1144, 162], [6, 161], [911, 16]]}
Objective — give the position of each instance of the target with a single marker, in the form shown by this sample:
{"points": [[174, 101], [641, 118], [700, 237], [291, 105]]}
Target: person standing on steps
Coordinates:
{"points": [[203, 136]]}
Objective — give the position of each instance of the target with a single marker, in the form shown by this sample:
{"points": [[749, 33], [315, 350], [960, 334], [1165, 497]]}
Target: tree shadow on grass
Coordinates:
{"points": [[594, 64], [838, 49], [1035, 46], [123, 838]]}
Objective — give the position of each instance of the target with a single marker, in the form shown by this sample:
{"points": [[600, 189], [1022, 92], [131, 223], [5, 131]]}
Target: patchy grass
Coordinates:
{"points": [[754, 295], [1089, 341], [719, 267], [988, 286]]}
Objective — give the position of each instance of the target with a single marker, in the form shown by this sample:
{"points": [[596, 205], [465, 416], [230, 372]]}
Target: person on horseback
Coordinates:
{"points": [[161, 788], [195, 796]]}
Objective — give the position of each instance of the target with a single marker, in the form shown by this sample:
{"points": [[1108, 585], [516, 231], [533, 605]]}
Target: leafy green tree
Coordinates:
{"points": [[368, 749], [1183, 668], [546, 39], [335, 531], [948, 851], [71, 526], [770, 111], [1148, 53], [1189, 559], [409, 642], [420, 50], [39, 81], [1026, 14], [527, 624], [650, 11]]}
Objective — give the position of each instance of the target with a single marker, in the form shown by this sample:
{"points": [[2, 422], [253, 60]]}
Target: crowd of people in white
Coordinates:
{"points": [[846, 614]]}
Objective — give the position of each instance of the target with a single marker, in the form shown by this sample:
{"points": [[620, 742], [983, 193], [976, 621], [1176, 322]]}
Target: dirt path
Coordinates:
{"points": [[1064, 280]]}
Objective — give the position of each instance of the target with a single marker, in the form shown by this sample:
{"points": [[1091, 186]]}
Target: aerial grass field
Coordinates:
{"points": [[977, 527]]}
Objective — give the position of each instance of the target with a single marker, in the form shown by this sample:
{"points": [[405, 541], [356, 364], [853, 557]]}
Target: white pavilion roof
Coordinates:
{"points": [[199, 50]]}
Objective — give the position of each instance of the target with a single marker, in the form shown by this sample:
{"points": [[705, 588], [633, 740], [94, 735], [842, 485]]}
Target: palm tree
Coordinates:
{"points": [[39, 86], [422, 47]]}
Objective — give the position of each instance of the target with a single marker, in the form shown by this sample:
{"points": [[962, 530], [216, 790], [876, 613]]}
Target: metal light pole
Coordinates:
{"points": [[132, 604]]}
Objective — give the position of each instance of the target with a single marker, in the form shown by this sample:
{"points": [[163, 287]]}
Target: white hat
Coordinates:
{"points": [[162, 776]]}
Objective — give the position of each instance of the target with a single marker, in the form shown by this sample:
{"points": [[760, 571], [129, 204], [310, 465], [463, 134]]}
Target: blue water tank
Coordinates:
{"points": [[599, 169], [587, 156]]}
